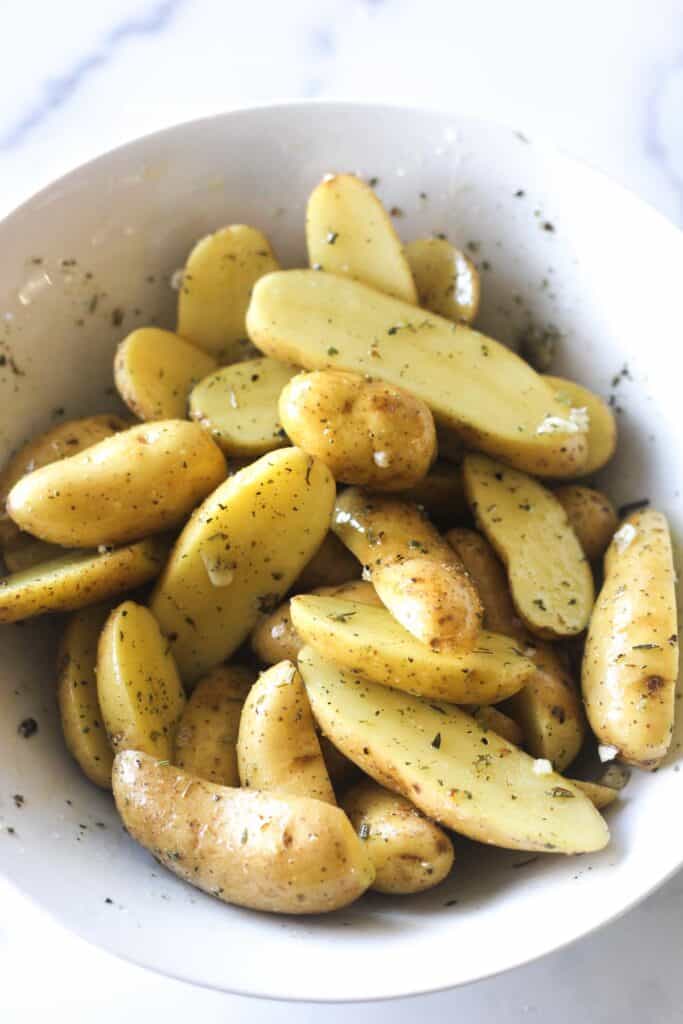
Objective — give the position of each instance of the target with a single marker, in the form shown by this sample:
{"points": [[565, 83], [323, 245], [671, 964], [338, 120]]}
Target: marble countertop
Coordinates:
{"points": [[604, 81]]}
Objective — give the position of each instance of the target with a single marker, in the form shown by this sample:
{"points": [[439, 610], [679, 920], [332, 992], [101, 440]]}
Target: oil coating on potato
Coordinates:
{"points": [[206, 737], [602, 425], [367, 432], [455, 772], [140, 481], [630, 664], [591, 516], [277, 748], [416, 573], [288, 855], [446, 279], [331, 565], [409, 853]]}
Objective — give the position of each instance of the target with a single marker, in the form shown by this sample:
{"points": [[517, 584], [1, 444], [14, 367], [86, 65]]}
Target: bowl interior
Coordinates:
{"points": [[90, 258]]}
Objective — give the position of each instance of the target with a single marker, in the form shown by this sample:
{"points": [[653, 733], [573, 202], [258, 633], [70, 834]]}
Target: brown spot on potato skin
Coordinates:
{"points": [[654, 683]]}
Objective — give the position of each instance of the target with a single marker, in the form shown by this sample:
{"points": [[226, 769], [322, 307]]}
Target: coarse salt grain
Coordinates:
{"points": [[542, 766], [606, 752], [381, 459]]}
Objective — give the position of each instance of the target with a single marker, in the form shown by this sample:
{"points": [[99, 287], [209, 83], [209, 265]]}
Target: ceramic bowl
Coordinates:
{"points": [[561, 249]]}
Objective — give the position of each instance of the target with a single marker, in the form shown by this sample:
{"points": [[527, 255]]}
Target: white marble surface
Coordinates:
{"points": [[603, 80]]}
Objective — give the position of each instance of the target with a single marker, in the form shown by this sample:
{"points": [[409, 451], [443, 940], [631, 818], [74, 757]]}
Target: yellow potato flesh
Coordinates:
{"points": [[447, 281], [602, 429], [155, 370]]}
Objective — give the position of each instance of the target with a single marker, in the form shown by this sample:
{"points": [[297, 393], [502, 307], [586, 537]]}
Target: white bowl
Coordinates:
{"points": [[574, 251]]}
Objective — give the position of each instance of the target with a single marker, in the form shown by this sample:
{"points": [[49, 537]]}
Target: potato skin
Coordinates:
{"points": [[288, 856], [367, 432], [602, 429], [140, 481], [630, 663], [409, 852], [591, 516], [489, 578], [490, 717], [155, 370], [447, 280]]}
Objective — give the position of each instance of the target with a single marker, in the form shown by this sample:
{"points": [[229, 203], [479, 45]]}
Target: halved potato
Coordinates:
{"points": [[155, 370], [602, 424], [600, 796], [238, 405], [591, 516], [79, 578], [473, 384], [331, 565], [447, 280], [371, 644], [455, 772], [489, 717], [288, 855], [550, 579], [138, 685], [79, 708], [25, 551], [489, 578], [349, 232], [217, 282]]}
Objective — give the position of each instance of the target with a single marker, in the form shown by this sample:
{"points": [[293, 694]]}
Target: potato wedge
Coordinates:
{"points": [[550, 579], [238, 405], [489, 717], [331, 565], [155, 370], [441, 493], [602, 424], [451, 769], [239, 555], [25, 551], [370, 643], [447, 280], [206, 737], [630, 663], [288, 855], [349, 232], [140, 481], [470, 382], [591, 516], [416, 573], [79, 578], [138, 686], [79, 708], [409, 853], [277, 748], [217, 282], [600, 796], [366, 432]]}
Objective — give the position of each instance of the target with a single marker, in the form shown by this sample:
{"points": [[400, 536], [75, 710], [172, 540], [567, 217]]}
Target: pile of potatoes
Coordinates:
{"points": [[329, 587]]}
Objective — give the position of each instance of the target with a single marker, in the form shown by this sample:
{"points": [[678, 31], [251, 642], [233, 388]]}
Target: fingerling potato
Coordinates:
{"points": [[365, 431], [277, 747], [489, 717], [217, 282], [591, 516], [155, 370], [331, 565], [600, 796], [447, 280], [288, 855], [409, 853], [138, 686], [140, 481], [602, 424], [25, 551], [488, 576], [348, 232], [416, 574]]}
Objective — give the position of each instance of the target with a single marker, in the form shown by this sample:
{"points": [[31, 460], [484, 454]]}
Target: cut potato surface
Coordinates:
{"points": [[79, 578], [138, 686], [238, 405], [447, 281], [550, 579], [217, 282], [470, 382], [288, 855], [369, 643], [79, 707], [155, 370], [437, 756], [348, 232], [602, 424], [239, 555]]}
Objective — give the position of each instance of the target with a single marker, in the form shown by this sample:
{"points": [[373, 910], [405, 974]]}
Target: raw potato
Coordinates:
{"points": [[369, 643], [489, 578], [348, 232], [492, 718], [473, 384], [155, 370], [79, 578], [238, 406], [591, 516], [601, 796], [550, 579], [331, 565], [341, 771], [447, 281], [206, 737], [26, 551], [239, 555], [630, 664], [277, 748], [217, 283], [79, 708], [450, 768], [138, 686], [366, 432], [409, 853], [275, 638], [441, 493], [602, 429], [288, 855], [140, 481], [416, 573]]}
